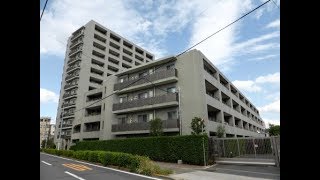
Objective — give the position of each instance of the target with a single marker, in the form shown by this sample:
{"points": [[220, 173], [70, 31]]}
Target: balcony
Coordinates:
{"points": [[66, 125], [158, 75], [74, 51], [167, 100], [68, 77], [76, 35], [142, 126], [76, 42], [69, 95], [68, 86], [78, 57], [73, 67], [68, 104], [67, 114]]}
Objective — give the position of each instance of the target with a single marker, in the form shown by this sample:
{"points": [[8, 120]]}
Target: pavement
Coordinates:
{"points": [[221, 172], [56, 168]]}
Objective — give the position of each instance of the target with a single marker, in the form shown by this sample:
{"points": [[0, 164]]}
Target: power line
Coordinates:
{"points": [[223, 28], [43, 9], [275, 4]]}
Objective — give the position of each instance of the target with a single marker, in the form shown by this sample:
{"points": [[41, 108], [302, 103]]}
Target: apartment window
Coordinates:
{"points": [[143, 95], [172, 115], [151, 93], [150, 116], [142, 118], [171, 90], [171, 66], [122, 120], [122, 99]]}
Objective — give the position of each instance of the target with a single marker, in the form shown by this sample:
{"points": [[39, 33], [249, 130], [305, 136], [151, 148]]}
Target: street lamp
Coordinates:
{"points": [[204, 152]]}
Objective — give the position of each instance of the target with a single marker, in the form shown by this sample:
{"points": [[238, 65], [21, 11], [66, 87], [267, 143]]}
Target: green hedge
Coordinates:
{"points": [[134, 163], [166, 148]]}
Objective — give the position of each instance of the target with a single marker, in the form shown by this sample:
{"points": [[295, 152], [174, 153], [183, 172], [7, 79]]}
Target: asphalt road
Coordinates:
{"points": [[265, 172], [55, 168]]}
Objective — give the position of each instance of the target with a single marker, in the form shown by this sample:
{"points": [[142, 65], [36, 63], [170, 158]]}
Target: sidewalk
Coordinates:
{"points": [[223, 172]]}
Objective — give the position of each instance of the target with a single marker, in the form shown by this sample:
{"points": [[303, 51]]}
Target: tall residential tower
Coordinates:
{"points": [[93, 53]]}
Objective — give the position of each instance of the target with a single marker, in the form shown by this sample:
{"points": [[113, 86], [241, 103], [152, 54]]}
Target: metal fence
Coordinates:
{"points": [[245, 148]]}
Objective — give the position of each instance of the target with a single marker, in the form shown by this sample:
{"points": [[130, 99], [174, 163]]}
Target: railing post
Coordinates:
{"points": [[238, 147], [254, 148]]}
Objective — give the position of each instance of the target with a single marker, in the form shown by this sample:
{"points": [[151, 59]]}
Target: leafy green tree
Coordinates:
{"points": [[197, 125], [50, 144], [220, 131], [156, 127], [274, 130]]}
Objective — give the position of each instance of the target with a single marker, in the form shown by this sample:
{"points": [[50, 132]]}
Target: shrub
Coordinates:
{"points": [[134, 163], [166, 148]]}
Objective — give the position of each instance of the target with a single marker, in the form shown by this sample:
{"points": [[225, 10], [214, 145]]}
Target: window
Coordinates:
{"points": [[150, 116], [122, 120], [122, 99], [171, 66], [151, 93], [142, 118], [171, 90], [121, 80], [143, 95], [172, 115]]}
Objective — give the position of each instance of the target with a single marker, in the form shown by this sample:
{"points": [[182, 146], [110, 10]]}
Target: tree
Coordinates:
{"points": [[197, 124], [50, 144], [274, 130], [156, 127], [220, 131]]}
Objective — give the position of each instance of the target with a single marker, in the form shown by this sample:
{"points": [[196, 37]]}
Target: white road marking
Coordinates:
{"points": [[248, 171], [105, 167], [73, 175], [46, 163]]}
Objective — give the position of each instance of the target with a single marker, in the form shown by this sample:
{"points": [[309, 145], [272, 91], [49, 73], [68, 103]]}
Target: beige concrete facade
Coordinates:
{"points": [[44, 128], [174, 90]]}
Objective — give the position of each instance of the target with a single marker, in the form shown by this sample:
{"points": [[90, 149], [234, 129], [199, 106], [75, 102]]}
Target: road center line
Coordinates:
{"points": [[46, 163], [73, 175]]}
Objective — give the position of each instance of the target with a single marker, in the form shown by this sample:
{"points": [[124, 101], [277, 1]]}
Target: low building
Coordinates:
{"points": [[174, 89]]}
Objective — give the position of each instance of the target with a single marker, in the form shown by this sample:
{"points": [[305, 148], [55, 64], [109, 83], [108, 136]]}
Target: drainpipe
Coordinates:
{"points": [[179, 112]]}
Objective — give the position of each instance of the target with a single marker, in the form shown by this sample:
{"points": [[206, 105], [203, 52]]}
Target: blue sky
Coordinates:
{"points": [[248, 52]]}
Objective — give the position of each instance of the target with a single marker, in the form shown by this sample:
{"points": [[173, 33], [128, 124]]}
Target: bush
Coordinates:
{"points": [[166, 148], [134, 163]]}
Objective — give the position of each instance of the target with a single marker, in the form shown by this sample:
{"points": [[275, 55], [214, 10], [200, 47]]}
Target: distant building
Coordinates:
{"points": [[44, 128]]}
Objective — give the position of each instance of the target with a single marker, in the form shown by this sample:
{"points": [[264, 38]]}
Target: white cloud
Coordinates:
{"points": [[47, 96], [270, 78], [274, 24], [248, 86], [255, 85], [63, 17], [271, 121], [264, 57], [273, 107], [273, 96]]}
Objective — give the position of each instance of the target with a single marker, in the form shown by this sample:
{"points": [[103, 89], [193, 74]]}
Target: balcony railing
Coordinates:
{"points": [[78, 57], [73, 67], [147, 101], [151, 77], [92, 129], [68, 95], [79, 48], [71, 76], [68, 114], [70, 85], [75, 36], [166, 124], [66, 125], [68, 104], [93, 114], [93, 99], [73, 44]]}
